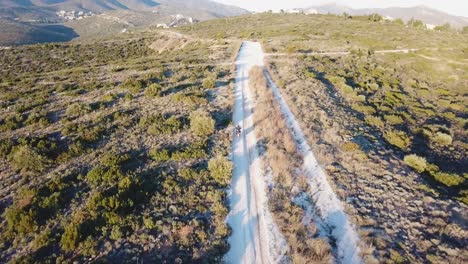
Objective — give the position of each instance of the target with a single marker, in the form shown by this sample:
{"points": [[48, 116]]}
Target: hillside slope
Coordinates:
{"points": [[116, 16], [14, 33], [426, 14], [110, 129], [389, 129], [100, 6]]}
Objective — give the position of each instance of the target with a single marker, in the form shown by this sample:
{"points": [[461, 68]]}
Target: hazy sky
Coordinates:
{"points": [[455, 7]]}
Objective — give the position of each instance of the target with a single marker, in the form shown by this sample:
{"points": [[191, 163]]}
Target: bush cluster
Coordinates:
{"points": [[201, 123], [220, 169], [419, 164]]}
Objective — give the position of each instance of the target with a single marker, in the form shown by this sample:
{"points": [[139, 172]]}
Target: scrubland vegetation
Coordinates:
{"points": [[389, 128], [288, 33], [112, 152], [381, 184], [417, 104], [116, 150]]}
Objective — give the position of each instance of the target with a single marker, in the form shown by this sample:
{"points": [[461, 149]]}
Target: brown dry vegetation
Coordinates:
{"points": [[282, 158]]}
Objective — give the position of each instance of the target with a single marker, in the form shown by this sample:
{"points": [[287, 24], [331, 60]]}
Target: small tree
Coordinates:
{"points": [[201, 123], [220, 169]]}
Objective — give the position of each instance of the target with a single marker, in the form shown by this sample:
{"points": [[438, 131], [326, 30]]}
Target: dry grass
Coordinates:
{"points": [[283, 159]]}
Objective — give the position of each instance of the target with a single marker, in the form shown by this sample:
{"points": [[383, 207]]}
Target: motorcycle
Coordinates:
{"points": [[238, 131]]}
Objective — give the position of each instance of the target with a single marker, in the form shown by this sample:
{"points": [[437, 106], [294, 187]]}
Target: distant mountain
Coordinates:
{"points": [[15, 32], [331, 9], [10, 7], [426, 14], [217, 9], [21, 20]]}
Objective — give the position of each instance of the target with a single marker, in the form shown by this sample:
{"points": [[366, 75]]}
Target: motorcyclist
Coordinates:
{"points": [[238, 130]]}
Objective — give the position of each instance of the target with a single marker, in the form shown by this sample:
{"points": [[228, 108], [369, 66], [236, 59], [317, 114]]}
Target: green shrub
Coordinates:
{"points": [[437, 134], [70, 237], [116, 233], [365, 109], [100, 175], [346, 89], [209, 82], [11, 123], [396, 257], [393, 119], [77, 109], [448, 179], [220, 169], [111, 159], [374, 121], [309, 74], [160, 125], [194, 151], [398, 139], [350, 147], [109, 98], [449, 115], [148, 222], [26, 159], [88, 246], [154, 90], [188, 174], [399, 21], [21, 221], [194, 99], [38, 117], [5, 147], [463, 197], [43, 239], [133, 85], [128, 97], [160, 154], [90, 133], [201, 123], [442, 139], [419, 164]]}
